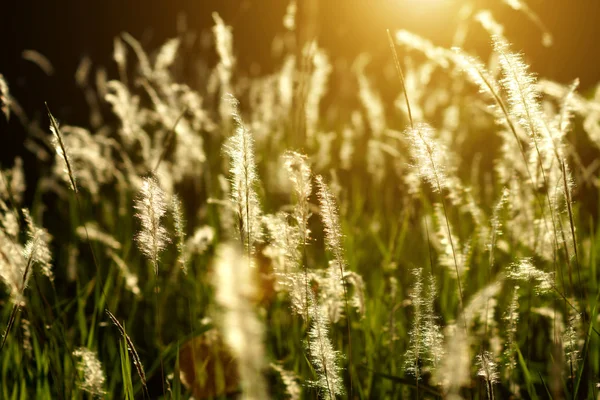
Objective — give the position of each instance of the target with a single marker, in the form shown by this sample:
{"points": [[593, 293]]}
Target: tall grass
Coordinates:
{"points": [[442, 245]]}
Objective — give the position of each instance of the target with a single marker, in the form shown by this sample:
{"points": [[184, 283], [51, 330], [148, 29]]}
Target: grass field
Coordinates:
{"points": [[249, 237]]}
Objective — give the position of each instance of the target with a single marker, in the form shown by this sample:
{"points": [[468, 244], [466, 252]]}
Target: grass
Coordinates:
{"points": [[441, 246]]}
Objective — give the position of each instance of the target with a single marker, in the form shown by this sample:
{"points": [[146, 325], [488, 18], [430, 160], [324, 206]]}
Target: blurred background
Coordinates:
{"points": [[65, 31]]}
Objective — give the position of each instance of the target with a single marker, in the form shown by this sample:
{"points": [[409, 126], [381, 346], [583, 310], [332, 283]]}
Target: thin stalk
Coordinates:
{"points": [[339, 259], [402, 81]]}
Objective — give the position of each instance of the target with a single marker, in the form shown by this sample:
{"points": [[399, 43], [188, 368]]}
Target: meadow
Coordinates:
{"points": [[247, 236]]}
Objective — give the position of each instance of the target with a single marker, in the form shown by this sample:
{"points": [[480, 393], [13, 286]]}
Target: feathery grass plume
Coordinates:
{"points": [[373, 106], [199, 242], [120, 57], [91, 374], [151, 207], [556, 319], [5, 102], [520, 5], [358, 299], [285, 84], [486, 19], [244, 179], [12, 183], [414, 354], [298, 286], [61, 150], [454, 371], [132, 117], [563, 124], [453, 255], [289, 19], [9, 220], [496, 226], [26, 329], [488, 85], [511, 319], [131, 280], [520, 86], [299, 174], [524, 104], [284, 245], [37, 247], [91, 158], [131, 348], [324, 358], [570, 341], [455, 367], [331, 222], [333, 241], [334, 292], [432, 335], [317, 87], [166, 57], [242, 331], [524, 270], [224, 69], [488, 370], [40, 60], [436, 54], [293, 389], [15, 266], [179, 223], [429, 156], [144, 62], [94, 233]]}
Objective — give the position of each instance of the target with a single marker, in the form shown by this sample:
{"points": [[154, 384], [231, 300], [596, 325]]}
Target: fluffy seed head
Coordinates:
{"points": [[244, 178], [151, 206], [4, 97], [324, 358], [243, 332], [487, 367], [90, 369]]}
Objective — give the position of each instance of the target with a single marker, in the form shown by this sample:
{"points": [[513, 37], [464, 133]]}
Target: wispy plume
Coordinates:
{"points": [[429, 156], [244, 179], [151, 207], [179, 223], [299, 174], [37, 248], [92, 378], [414, 354], [324, 358], [289, 19], [290, 381], [333, 242], [131, 280], [520, 5], [425, 347], [571, 344], [4, 97], [224, 69], [317, 87], [242, 330], [524, 270], [488, 370], [511, 319], [433, 53]]}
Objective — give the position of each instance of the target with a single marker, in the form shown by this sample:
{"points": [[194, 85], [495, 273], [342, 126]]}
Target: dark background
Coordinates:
{"points": [[64, 31]]}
